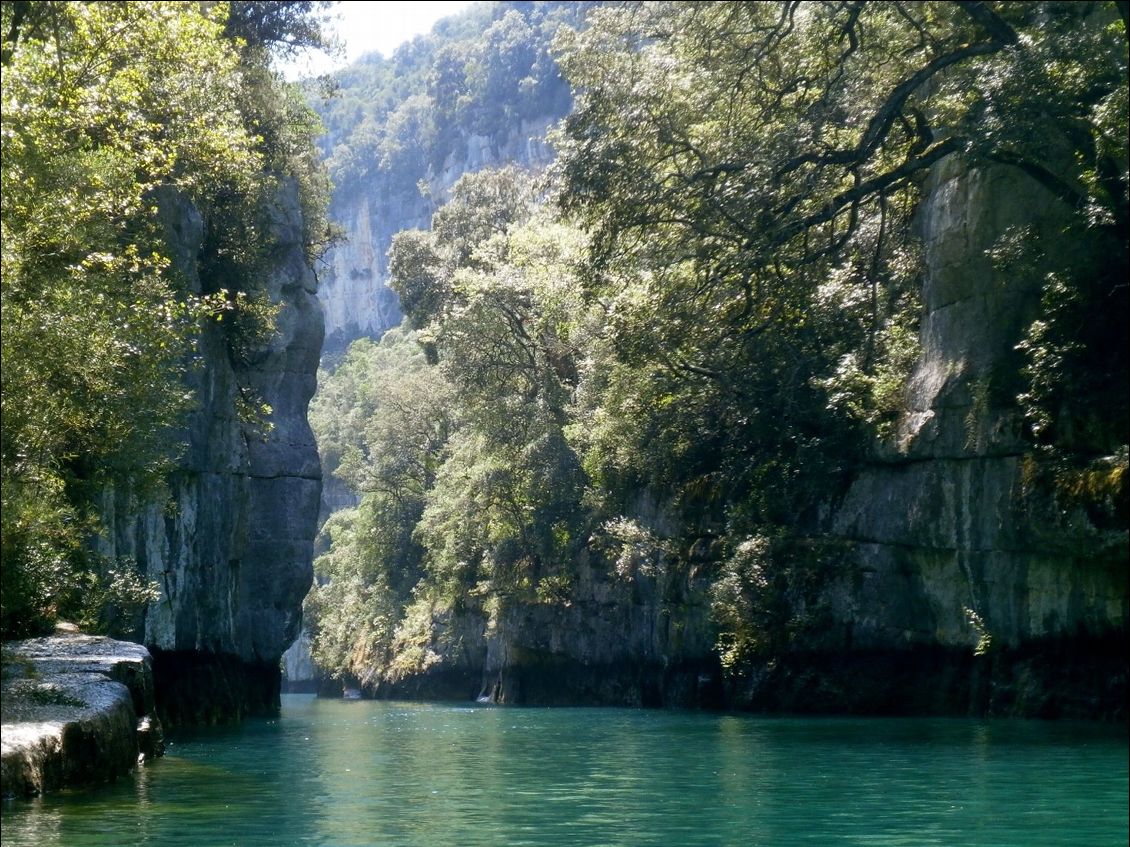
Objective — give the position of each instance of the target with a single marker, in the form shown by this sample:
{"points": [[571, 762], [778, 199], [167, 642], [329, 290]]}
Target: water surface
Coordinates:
{"points": [[334, 772]]}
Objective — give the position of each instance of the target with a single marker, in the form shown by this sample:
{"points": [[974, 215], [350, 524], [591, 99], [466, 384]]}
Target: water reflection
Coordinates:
{"points": [[361, 773]]}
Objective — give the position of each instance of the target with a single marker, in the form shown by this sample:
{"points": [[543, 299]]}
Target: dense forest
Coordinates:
{"points": [[482, 71], [655, 370]]}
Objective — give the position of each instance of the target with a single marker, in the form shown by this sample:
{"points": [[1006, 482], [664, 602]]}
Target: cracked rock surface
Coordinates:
{"points": [[76, 710]]}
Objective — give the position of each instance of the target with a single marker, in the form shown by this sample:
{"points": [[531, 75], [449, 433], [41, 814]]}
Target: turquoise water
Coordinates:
{"points": [[364, 773]]}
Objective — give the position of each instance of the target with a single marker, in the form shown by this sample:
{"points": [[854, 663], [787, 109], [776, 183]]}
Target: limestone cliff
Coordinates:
{"points": [[947, 519], [949, 581], [962, 583], [354, 288], [231, 544]]}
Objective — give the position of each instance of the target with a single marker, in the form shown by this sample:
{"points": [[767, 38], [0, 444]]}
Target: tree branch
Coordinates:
{"points": [[876, 184], [990, 21], [880, 124], [20, 10], [1057, 186]]}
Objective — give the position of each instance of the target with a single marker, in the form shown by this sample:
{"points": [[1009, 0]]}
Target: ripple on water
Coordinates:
{"points": [[364, 773]]}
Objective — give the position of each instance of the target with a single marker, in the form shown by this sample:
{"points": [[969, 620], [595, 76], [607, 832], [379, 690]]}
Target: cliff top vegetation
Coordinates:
{"points": [[112, 114]]}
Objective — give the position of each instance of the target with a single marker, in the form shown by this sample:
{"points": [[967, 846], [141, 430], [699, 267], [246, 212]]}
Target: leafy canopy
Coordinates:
{"points": [[117, 117]]}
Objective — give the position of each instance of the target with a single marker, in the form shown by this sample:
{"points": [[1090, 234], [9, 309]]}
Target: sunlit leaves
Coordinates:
{"points": [[103, 103], [125, 127], [471, 491], [726, 320], [383, 421]]}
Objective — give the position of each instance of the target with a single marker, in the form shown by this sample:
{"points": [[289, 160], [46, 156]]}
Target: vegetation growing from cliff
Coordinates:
{"points": [[722, 310], [479, 73], [112, 114], [468, 479]]}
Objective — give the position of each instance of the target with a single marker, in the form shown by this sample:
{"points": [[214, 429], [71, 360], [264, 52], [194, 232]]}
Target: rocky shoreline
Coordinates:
{"points": [[76, 710]]}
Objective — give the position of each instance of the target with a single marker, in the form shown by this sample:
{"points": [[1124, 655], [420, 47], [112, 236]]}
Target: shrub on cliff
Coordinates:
{"points": [[105, 107]]}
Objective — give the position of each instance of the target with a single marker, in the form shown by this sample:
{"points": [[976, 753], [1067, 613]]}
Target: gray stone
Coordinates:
{"points": [[231, 545], [946, 523], [941, 542], [354, 288], [76, 710]]}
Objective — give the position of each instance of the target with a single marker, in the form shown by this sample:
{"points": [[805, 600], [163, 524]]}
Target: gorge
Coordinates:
{"points": [[945, 566], [749, 357]]}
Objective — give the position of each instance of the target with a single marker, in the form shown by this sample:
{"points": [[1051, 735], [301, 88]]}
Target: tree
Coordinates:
{"points": [[384, 420], [282, 26], [114, 114], [471, 491], [748, 172]]}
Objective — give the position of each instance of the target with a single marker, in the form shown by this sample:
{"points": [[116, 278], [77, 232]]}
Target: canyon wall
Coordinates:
{"points": [[230, 543], [946, 580], [964, 582], [353, 287]]}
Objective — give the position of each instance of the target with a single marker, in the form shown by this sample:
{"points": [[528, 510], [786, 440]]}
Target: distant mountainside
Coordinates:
{"points": [[480, 90]]}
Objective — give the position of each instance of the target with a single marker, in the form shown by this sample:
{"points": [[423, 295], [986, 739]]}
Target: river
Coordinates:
{"points": [[330, 772]]}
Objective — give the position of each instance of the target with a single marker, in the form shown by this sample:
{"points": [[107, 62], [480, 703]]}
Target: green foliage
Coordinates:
{"points": [[742, 602], [632, 549], [1058, 110], [718, 311], [282, 26], [383, 420], [110, 599], [748, 173], [984, 637], [116, 116], [750, 214], [1074, 398], [352, 610], [378, 410], [415, 641], [392, 122], [506, 338], [41, 539], [767, 596], [469, 485]]}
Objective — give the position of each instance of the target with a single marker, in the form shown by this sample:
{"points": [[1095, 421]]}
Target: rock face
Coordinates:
{"points": [[231, 548], [961, 586], [300, 674], [76, 710], [650, 644], [644, 640], [941, 545], [354, 289]]}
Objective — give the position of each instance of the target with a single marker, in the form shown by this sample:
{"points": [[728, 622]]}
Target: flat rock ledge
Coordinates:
{"points": [[76, 710]]}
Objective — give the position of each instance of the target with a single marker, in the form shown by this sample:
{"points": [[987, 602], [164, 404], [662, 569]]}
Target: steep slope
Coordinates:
{"points": [[947, 579], [820, 471], [354, 288], [479, 91], [232, 546], [967, 583]]}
